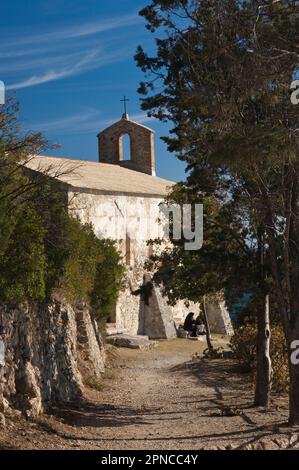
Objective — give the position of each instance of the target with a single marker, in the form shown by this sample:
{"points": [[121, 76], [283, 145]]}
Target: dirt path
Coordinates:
{"points": [[157, 399]]}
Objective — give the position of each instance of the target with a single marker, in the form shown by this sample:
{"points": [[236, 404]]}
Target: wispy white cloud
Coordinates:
{"points": [[43, 62], [90, 61], [78, 31], [71, 124], [55, 55], [52, 74], [86, 122], [40, 79], [142, 118]]}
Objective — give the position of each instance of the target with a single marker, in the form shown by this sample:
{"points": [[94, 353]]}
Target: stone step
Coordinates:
{"points": [[131, 342], [113, 330]]}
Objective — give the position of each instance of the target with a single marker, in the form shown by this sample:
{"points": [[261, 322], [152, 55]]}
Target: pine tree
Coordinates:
{"points": [[222, 75]]}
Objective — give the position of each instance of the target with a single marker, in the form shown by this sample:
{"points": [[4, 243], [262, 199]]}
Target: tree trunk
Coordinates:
{"points": [[207, 326], [264, 367]]}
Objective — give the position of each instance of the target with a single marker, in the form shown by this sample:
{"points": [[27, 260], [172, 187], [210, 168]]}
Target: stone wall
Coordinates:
{"points": [[219, 319], [94, 208], [141, 142], [48, 352], [103, 211], [158, 316]]}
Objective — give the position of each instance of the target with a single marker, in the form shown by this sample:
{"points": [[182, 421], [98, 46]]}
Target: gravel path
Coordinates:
{"points": [[159, 399]]}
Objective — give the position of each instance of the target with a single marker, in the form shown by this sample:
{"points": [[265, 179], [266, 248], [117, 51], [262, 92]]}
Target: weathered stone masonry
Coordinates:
{"points": [[50, 350], [142, 146], [103, 193]]}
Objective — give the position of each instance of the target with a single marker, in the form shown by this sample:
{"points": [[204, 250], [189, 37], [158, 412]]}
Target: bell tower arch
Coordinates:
{"points": [[141, 145]]}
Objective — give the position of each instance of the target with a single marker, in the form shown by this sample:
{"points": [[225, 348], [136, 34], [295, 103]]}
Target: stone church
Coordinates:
{"points": [[103, 194]]}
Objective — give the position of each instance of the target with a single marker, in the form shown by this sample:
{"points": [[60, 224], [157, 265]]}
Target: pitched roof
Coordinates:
{"points": [[126, 119], [105, 177]]}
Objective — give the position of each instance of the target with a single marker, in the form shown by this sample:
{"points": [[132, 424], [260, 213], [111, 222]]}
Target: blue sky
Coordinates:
{"points": [[69, 63]]}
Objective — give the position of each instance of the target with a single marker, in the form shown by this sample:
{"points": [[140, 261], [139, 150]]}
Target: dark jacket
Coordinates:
{"points": [[189, 322]]}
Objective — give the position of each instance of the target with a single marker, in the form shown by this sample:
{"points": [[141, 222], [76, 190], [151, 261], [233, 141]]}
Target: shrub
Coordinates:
{"points": [[93, 269], [243, 345], [45, 250], [23, 262], [42, 248]]}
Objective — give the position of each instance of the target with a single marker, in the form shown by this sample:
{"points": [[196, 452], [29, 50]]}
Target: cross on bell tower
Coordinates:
{"points": [[125, 100]]}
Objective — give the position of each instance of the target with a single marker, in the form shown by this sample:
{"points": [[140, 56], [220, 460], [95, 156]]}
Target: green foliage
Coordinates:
{"points": [[243, 345], [108, 278], [227, 261], [47, 251], [221, 76], [93, 270], [22, 250], [23, 262], [42, 248], [50, 202], [79, 261]]}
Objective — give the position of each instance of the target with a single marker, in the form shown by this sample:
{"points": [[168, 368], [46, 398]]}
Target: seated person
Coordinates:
{"points": [[189, 324], [200, 326]]}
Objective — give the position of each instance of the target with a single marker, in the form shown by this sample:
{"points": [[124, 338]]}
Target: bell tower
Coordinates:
{"points": [[142, 154]]}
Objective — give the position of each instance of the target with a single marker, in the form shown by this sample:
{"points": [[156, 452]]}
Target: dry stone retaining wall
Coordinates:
{"points": [[47, 349]]}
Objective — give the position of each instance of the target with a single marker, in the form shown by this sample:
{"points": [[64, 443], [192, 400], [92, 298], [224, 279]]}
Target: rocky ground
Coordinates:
{"points": [[160, 399]]}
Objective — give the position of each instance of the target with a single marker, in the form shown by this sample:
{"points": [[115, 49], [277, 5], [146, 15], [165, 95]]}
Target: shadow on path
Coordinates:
{"points": [[88, 414]]}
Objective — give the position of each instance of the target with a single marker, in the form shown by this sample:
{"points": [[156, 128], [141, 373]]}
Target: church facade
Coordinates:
{"points": [[120, 197]]}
